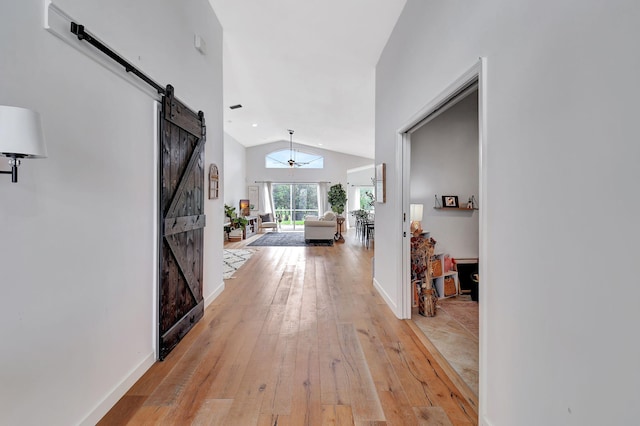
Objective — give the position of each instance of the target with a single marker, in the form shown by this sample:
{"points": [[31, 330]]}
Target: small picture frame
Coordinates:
{"points": [[245, 209], [450, 201]]}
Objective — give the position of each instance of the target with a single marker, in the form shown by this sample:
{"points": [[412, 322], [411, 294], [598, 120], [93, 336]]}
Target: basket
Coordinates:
{"points": [[450, 286], [437, 268]]}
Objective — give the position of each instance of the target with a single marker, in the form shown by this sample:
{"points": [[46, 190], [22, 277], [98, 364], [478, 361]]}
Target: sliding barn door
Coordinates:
{"points": [[182, 138]]}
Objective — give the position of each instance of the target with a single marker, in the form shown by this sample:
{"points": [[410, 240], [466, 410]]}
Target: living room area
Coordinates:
{"points": [[258, 185]]}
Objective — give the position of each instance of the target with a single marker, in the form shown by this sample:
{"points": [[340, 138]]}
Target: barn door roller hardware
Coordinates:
{"points": [[80, 32]]}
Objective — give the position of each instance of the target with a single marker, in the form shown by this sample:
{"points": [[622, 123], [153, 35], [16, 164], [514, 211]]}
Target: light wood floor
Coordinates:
{"points": [[298, 337]]}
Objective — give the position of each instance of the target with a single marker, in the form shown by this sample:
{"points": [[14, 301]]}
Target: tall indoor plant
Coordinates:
{"points": [[337, 197]]}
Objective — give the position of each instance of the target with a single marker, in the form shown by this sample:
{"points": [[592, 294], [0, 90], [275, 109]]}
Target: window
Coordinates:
{"points": [[280, 160], [366, 197], [293, 201]]}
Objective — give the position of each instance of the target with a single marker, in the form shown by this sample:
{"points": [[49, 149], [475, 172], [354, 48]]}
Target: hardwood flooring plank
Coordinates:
{"points": [[150, 416], [422, 378], [395, 403], [278, 397], [212, 412], [365, 403], [337, 415], [334, 386], [235, 361], [214, 376], [432, 416], [123, 411], [299, 336], [335, 381], [148, 383], [274, 420], [257, 378], [178, 378], [458, 381], [306, 408]]}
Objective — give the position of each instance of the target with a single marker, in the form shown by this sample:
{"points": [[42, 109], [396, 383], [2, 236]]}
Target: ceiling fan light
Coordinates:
{"points": [[291, 161]]}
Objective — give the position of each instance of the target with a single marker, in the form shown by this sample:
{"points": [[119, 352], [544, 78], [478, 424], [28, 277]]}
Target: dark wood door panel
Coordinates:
{"points": [[181, 302]]}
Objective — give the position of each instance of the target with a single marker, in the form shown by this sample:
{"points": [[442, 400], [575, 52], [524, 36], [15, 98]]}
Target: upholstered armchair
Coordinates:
{"points": [[320, 228], [266, 221]]}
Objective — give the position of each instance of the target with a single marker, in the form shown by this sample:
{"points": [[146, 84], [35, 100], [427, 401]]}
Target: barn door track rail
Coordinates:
{"points": [[82, 34], [63, 26]]}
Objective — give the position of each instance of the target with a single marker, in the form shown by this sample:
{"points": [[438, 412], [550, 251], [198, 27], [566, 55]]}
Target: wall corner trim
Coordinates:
{"points": [[112, 398], [214, 294], [392, 304]]}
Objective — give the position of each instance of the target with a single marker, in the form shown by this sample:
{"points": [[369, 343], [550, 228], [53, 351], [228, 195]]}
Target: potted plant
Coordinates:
{"points": [[337, 197], [236, 222]]}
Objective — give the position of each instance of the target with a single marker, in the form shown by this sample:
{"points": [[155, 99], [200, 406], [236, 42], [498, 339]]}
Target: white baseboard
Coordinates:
{"points": [[392, 304], [114, 396], [485, 422], [214, 294]]}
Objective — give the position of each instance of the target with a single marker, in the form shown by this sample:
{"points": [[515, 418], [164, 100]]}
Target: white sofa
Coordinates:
{"points": [[323, 228]]}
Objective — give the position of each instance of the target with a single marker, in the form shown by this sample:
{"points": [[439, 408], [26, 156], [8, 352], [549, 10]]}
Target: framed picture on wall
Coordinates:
{"points": [[450, 201], [244, 208], [381, 196], [254, 199]]}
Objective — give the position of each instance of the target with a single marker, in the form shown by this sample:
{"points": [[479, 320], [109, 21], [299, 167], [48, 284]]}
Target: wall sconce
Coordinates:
{"points": [[415, 214], [20, 137]]}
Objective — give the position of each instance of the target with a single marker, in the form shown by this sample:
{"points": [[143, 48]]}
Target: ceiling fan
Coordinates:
{"points": [[293, 163], [279, 157]]}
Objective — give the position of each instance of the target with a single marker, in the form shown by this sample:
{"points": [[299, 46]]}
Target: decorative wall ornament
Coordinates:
{"points": [[214, 182]]}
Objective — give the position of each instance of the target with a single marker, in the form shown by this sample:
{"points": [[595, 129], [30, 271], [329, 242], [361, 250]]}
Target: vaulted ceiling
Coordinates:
{"points": [[304, 65]]}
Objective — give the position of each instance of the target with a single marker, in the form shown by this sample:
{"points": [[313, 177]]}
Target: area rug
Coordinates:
{"points": [[233, 259], [287, 239], [464, 311]]}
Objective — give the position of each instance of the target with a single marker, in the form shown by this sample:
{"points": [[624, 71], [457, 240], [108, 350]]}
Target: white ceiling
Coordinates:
{"points": [[304, 65]]}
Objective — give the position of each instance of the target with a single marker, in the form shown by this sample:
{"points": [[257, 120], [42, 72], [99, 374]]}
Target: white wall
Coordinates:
{"points": [[335, 166], [558, 299], [78, 253], [444, 161], [235, 172]]}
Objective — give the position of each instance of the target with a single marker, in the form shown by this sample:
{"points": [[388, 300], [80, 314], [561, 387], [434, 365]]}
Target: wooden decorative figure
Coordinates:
{"points": [[422, 256]]}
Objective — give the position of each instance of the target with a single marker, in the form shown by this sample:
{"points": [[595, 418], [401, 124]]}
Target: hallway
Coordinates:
{"points": [[298, 337]]}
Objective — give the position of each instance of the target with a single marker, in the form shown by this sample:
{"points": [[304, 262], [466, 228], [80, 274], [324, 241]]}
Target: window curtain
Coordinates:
{"points": [[322, 197], [356, 198], [268, 199]]}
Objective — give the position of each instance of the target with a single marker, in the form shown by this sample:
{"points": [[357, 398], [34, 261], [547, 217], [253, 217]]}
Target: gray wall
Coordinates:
{"points": [[444, 161], [558, 300], [78, 253], [235, 172]]}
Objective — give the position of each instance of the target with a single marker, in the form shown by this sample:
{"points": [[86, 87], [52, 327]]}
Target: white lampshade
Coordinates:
{"points": [[21, 133], [415, 212]]}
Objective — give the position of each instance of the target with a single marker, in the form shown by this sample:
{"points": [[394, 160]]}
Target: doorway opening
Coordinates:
{"points": [[442, 171]]}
